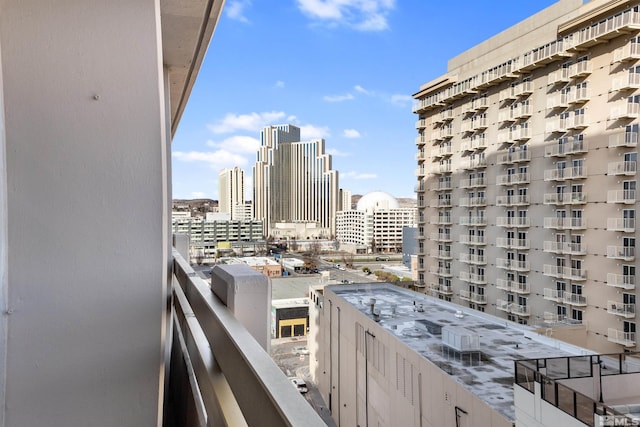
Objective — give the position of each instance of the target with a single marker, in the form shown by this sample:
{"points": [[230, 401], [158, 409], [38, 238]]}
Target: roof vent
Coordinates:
{"points": [[459, 314]]}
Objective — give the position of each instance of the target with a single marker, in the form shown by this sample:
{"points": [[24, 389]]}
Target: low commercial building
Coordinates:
{"points": [[207, 235], [289, 317], [386, 356], [264, 265]]}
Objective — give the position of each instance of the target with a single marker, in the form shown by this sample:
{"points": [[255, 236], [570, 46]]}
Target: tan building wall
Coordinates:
{"points": [[527, 165]]}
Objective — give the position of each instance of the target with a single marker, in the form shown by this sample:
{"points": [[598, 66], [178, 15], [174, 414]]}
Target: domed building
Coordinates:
{"points": [[375, 226]]}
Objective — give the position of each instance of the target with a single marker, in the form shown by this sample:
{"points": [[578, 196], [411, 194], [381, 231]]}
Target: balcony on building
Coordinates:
{"points": [[623, 253], [519, 133], [441, 237], [579, 95], [472, 201], [441, 220], [442, 185], [622, 281], [627, 339], [441, 254], [473, 182], [512, 243], [474, 259], [623, 168], [513, 286], [467, 239], [513, 179], [570, 173], [512, 264], [476, 163], [421, 154], [513, 308], [627, 110], [507, 157], [578, 300], [512, 222], [444, 151], [444, 202], [505, 116], [522, 111], [444, 289], [577, 274], [557, 100], [580, 69], [623, 139], [474, 278], [522, 88], [628, 81], [513, 200], [626, 225], [625, 197], [627, 311], [478, 103], [478, 123], [566, 248], [441, 271], [561, 75], [574, 198], [473, 297], [421, 140], [421, 123], [565, 223], [420, 171], [442, 168], [419, 187], [473, 220], [556, 149], [552, 294]]}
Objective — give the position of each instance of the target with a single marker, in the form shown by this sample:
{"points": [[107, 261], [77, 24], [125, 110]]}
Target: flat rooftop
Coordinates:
{"points": [[418, 320]]}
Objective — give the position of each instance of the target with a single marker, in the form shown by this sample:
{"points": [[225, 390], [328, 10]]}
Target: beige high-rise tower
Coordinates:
{"points": [[231, 191], [527, 161], [293, 180]]}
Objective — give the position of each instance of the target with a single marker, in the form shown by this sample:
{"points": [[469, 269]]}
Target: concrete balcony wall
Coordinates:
{"points": [[85, 194]]}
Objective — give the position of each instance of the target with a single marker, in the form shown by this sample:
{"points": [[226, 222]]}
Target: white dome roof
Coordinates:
{"points": [[377, 200]]}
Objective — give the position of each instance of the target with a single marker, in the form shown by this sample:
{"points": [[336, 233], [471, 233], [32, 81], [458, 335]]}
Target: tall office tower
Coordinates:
{"points": [[345, 200], [293, 180], [527, 178], [231, 191]]}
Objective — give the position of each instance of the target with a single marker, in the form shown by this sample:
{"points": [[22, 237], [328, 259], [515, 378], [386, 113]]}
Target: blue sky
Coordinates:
{"points": [[342, 70]]}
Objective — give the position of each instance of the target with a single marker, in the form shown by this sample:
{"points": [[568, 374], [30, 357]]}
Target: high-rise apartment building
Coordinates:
{"points": [[293, 180], [345, 200], [527, 173], [231, 191]]}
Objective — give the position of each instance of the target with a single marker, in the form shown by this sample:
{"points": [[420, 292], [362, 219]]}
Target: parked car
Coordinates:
{"points": [[299, 384], [300, 350], [382, 258]]}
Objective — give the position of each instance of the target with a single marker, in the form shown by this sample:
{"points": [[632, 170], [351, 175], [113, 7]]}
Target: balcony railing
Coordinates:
{"points": [[513, 179], [473, 259], [512, 264], [574, 299], [565, 198], [565, 149], [623, 281], [564, 272], [552, 294], [565, 223], [627, 339], [565, 248], [623, 139], [511, 221], [618, 308], [472, 201], [472, 240], [578, 172], [478, 279], [628, 52], [515, 200], [513, 308], [626, 82], [473, 182], [627, 225], [626, 197], [227, 378], [512, 243], [473, 220], [626, 168], [629, 110], [473, 297], [441, 237], [440, 254], [513, 286], [509, 157], [624, 253]]}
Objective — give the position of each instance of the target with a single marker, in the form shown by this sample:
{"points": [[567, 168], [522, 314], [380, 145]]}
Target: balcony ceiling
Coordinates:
{"points": [[187, 28]]}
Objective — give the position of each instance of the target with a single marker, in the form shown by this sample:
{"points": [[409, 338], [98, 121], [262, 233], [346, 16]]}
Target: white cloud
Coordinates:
{"points": [[360, 89], [311, 132], [279, 84], [216, 160], [351, 133], [237, 144], [362, 15], [198, 195], [401, 100], [358, 175], [338, 98], [253, 122], [235, 10], [336, 152]]}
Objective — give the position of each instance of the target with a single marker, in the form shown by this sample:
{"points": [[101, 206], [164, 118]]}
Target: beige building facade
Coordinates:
{"points": [[527, 160]]}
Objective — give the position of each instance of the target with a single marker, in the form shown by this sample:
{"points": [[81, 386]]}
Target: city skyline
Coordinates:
{"points": [[329, 80]]}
